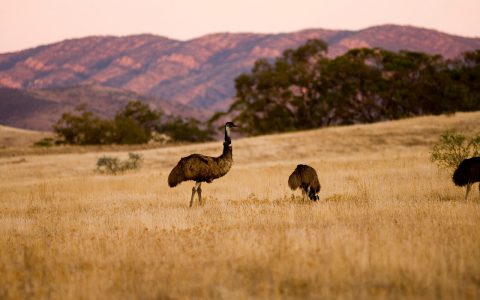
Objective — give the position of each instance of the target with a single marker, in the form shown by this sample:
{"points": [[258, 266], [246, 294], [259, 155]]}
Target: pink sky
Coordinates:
{"points": [[29, 23]]}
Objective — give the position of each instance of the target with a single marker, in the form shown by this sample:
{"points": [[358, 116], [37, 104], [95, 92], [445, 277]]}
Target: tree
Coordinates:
{"points": [[129, 131], [134, 123], [273, 97], [140, 113], [353, 85], [467, 75]]}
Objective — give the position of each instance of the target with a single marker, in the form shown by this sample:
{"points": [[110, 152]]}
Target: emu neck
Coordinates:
{"points": [[228, 140], [227, 151]]}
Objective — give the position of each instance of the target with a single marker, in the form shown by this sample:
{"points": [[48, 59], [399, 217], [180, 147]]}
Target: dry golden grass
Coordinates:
{"points": [[388, 224]]}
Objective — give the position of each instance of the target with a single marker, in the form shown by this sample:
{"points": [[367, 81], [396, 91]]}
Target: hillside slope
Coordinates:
{"points": [[16, 138], [40, 109]]}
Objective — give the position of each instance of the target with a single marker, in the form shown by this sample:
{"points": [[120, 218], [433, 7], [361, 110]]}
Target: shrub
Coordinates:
{"points": [[45, 142], [133, 162], [113, 165], [454, 147]]}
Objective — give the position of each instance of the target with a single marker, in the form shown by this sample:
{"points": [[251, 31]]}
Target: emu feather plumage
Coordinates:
{"points": [[305, 177], [467, 173], [201, 168]]}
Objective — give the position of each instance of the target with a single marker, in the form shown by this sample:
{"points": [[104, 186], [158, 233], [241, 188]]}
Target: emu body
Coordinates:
{"points": [[305, 177], [467, 173], [201, 168]]}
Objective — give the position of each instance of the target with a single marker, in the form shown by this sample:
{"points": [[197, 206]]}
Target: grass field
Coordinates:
{"points": [[389, 224]]}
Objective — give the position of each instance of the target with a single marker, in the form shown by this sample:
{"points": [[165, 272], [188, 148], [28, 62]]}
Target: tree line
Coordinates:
{"points": [[136, 123], [305, 89]]}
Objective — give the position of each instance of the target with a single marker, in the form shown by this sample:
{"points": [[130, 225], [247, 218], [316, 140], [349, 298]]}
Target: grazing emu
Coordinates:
{"points": [[201, 168], [467, 173], [306, 178]]}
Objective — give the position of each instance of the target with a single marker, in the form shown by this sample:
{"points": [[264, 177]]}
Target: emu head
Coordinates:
{"points": [[228, 125]]}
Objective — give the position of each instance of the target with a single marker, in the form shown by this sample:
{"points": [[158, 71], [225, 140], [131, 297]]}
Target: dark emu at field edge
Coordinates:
{"points": [[467, 173]]}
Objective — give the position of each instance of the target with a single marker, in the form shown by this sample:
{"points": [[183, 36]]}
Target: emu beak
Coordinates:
{"points": [[233, 125]]}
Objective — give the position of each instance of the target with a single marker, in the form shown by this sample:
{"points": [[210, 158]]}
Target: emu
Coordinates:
{"points": [[201, 168], [305, 177], [467, 173]]}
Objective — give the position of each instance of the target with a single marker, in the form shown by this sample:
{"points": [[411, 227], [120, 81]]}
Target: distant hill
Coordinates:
{"points": [[14, 137], [39, 109], [198, 72]]}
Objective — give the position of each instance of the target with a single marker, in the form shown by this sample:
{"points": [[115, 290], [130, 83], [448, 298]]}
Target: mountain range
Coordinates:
{"points": [[195, 76]]}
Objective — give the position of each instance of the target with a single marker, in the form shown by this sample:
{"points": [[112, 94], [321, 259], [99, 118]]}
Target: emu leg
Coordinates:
{"points": [[199, 191], [193, 194], [304, 193], [313, 196], [194, 190], [469, 185]]}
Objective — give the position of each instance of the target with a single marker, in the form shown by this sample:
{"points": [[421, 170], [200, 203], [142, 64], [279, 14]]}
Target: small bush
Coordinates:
{"points": [[454, 147], [134, 161], [45, 142], [113, 165]]}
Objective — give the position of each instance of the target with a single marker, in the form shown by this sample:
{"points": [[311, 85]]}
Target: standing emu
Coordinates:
{"points": [[467, 173], [201, 168], [305, 177]]}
